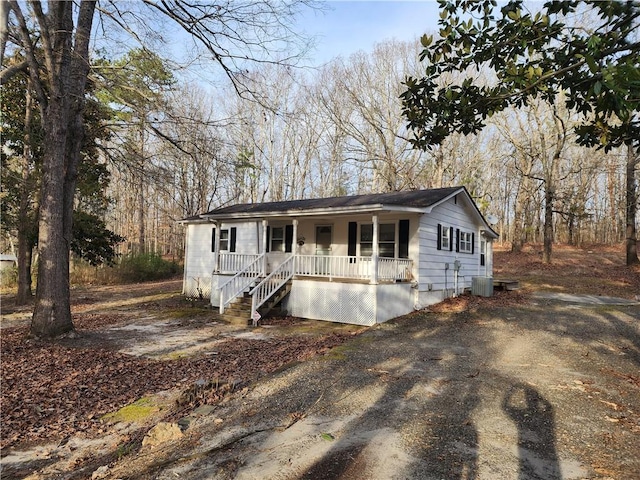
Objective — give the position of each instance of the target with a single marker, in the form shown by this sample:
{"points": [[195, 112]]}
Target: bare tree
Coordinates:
{"points": [[232, 33]]}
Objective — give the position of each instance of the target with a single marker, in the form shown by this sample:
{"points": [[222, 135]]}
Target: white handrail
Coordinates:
{"points": [[242, 280], [271, 283], [335, 266]]}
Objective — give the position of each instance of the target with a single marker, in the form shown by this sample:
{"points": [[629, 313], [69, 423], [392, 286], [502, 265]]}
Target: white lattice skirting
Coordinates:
{"points": [[358, 304], [198, 287]]}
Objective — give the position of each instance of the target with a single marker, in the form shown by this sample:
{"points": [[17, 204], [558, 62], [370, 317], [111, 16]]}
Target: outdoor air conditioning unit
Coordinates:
{"points": [[482, 286]]}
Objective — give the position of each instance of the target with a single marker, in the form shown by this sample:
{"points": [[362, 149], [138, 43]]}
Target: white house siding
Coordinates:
{"points": [[434, 282], [354, 303], [200, 260]]}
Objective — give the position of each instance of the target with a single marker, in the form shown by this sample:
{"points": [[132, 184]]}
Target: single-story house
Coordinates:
{"points": [[360, 259]]}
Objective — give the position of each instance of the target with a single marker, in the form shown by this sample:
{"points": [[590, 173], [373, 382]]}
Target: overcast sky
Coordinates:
{"points": [[349, 26]]}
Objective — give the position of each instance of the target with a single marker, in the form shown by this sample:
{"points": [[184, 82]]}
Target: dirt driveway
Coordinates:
{"points": [[544, 390], [540, 388]]}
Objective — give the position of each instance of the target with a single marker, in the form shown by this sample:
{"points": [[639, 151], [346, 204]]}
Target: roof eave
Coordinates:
{"points": [[315, 212]]}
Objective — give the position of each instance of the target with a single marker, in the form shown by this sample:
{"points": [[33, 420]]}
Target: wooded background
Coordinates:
{"points": [[176, 149], [338, 130]]}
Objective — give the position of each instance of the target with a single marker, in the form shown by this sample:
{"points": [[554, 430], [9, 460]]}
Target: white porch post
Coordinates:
{"points": [[216, 253], [294, 242], [264, 246], [375, 252]]}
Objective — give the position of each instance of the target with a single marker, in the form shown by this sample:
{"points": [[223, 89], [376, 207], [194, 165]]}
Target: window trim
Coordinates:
{"points": [[281, 239], [385, 242], [466, 242], [445, 237], [224, 239]]}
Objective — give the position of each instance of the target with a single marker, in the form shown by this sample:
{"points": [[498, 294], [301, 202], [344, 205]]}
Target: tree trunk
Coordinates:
{"points": [[632, 207], [52, 311], [517, 235], [25, 254], [25, 224], [68, 66], [548, 223]]}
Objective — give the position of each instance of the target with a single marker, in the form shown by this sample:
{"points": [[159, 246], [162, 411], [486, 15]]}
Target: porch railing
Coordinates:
{"points": [[360, 268], [271, 284], [234, 262], [394, 269], [242, 280]]}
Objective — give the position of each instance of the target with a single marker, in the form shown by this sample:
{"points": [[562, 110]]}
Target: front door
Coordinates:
{"points": [[324, 237]]}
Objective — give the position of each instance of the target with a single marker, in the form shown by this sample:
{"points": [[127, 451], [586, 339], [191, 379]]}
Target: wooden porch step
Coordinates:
{"points": [[239, 311]]}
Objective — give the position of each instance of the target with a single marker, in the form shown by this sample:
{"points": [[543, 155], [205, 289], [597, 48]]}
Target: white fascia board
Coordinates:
{"points": [[448, 198], [193, 221], [318, 212], [490, 232]]}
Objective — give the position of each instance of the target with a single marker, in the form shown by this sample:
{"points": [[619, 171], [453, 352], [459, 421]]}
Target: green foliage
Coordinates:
{"points": [[21, 177], [92, 240], [145, 267], [596, 72], [134, 84]]}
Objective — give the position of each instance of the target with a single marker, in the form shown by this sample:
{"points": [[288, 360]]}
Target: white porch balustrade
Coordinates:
{"points": [[330, 266], [235, 262]]}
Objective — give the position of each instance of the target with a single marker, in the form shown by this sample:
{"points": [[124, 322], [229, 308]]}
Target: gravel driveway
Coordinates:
{"points": [[545, 390]]}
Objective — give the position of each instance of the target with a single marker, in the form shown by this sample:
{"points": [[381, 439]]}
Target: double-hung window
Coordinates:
{"points": [[366, 239], [227, 239], [277, 239], [444, 239], [466, 242], [386, 239], [224, 240]]}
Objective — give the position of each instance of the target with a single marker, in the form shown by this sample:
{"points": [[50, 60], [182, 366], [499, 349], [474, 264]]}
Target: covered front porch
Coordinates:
{"points": [[347, 250], [327, 280]]}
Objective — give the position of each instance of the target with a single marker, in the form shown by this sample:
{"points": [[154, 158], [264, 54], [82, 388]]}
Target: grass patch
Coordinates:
{"points": [[137, 411]]}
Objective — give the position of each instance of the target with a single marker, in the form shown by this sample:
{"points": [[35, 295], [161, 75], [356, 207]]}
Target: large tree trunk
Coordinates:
{"points": [[632, 206], [25, 223], [68, 66], [52, 311]]}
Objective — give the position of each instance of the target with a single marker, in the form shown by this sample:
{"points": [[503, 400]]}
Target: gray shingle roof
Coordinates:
{"points": [[413, 198]]}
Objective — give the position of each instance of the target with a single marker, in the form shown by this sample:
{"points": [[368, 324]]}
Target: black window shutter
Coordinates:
{"points": [[268, 249], [439, 237], [457, 239], [213, 239], [288, 238], [451, 239], [232, 240], [473, 242], [403, 239], [353, 239]]}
